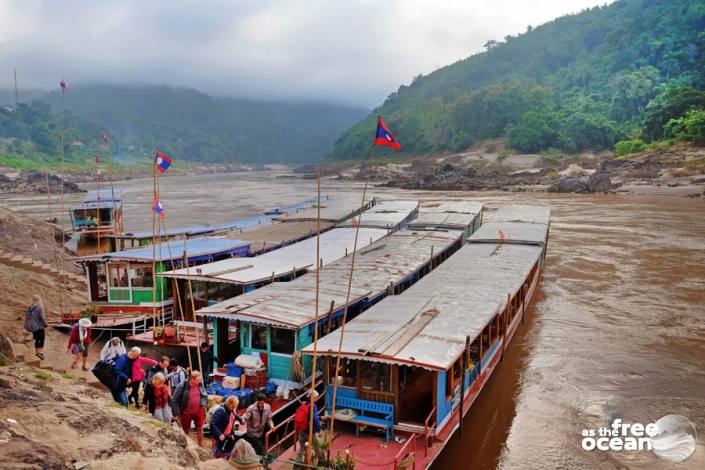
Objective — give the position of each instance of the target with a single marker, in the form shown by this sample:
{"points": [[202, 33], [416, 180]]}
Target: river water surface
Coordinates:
{"points": [[616, 329]]}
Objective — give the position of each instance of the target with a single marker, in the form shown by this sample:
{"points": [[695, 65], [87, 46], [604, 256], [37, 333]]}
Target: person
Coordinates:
{"points": [[112, 350], [123, 372], [222, 427], [258, 417], [138, 375], [177, 374], [162, 367], [161, 394], [35, 322], [190, 399], [79, 340], [301, 424], [206, 361]]}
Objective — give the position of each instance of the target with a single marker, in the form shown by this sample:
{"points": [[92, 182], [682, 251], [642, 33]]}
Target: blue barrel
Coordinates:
{"points": [[233, 370]]}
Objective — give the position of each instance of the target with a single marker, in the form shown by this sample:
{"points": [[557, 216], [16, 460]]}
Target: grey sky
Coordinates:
{"points": [[350, 51]]}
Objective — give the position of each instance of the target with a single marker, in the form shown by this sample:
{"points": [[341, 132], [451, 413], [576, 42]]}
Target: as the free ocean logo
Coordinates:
{"points": [[671, 438]]}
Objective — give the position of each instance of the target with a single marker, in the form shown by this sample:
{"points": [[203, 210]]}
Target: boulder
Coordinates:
{"points": [[6, 347], [599, 183], [568, 185]]}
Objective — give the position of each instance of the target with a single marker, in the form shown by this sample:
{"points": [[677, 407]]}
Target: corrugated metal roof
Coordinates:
{"points": [[386, 214], [335, 244], [204, 229], [174, 250], [103, 198], [446, 214], [278, 234], [521, 213], [389, 260], [514, 232], [464, 293], [332, 210], [454, 301]]}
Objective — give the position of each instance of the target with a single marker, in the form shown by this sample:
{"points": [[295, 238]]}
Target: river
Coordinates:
{"points": [[616, 330]]}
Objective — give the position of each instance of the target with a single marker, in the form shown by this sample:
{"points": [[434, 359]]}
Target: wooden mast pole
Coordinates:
{"points": [[315, 318], [154, 247], [62, 277]]}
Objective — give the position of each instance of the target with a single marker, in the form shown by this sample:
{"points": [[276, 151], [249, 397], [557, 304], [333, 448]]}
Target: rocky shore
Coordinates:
{"points": [[677, 170], [35, 182]]}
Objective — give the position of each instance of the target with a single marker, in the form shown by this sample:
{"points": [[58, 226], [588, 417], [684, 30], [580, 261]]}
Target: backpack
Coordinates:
{"points": [[301, 418]]}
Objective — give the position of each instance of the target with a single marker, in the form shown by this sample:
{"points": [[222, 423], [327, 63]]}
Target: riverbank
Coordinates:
{"points": [[678, 170]]}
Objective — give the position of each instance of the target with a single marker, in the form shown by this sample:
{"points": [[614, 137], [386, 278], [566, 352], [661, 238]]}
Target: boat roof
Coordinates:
{"points": [[196, 249], [205, 229], [392, 259], [332, 210], [428, 324], [335, 244], [514, 224], [386, 214], [446, 214], [102, 198], [271, 236]]}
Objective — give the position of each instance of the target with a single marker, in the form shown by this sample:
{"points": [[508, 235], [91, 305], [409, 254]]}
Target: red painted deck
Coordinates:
{"points": [[188, 338], [372, 453]]}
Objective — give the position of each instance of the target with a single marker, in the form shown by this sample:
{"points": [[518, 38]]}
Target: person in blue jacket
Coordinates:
{"points": [[222, 428], [123, 371]]}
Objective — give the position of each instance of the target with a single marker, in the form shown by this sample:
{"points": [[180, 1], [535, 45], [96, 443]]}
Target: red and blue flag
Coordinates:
{"points": [[157, 207], [384, 136], [163, 161]]}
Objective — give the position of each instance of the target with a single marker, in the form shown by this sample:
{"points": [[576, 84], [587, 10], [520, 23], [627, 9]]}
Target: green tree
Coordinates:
{"points": [[670, 104]]}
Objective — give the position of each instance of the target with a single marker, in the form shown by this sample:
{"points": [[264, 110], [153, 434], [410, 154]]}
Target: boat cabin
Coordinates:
{"points": [[123, 280], [100, 212]]}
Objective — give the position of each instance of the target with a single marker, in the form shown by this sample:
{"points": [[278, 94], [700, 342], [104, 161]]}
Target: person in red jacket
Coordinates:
{"points": [[79, 340]]}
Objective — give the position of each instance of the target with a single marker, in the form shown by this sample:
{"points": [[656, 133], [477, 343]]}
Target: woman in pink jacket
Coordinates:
{"points": [[138, 374]]}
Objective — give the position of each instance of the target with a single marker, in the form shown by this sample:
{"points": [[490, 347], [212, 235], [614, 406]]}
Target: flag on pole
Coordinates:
{"points": [[97, 159], [384, 136], [105, 138], [163, 161], [62, 84], [157, 207]]}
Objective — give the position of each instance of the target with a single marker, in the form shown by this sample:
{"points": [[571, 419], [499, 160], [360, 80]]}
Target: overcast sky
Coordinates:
{"points": [[348, 51]]}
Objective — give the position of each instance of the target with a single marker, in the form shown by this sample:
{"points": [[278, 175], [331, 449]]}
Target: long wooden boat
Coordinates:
{"points": [[279, 320], [414, 364]]}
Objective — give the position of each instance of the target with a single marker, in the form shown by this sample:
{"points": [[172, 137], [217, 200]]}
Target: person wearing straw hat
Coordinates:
{"points": [[79, 340]]}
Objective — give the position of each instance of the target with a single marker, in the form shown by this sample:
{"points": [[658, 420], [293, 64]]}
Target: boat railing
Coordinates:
{"points": [[427, 429], [287, 434], [403, 452]]}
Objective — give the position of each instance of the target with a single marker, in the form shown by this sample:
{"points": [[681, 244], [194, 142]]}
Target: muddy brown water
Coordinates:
{"points": [[616, 329]]}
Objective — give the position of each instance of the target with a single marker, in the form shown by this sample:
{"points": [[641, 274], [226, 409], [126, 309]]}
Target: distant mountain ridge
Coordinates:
{"points": [[582, 81], [194, 126]]}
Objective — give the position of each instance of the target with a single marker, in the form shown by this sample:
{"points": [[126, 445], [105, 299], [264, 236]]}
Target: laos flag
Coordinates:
{"points": [[384, 136], [163, 161], [157, 207]]}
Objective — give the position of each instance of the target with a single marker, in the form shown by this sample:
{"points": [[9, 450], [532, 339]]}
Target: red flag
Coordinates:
{"points": [[105, 138], [97, 159], [62, 84], [384, 136]]}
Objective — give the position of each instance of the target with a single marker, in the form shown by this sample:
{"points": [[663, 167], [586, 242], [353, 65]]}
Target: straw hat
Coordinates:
{"points": [[85, 323]]}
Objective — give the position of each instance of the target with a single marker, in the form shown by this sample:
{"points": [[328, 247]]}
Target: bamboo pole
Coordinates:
{"points": [[312, 401], [62, 279], [155, 197]]}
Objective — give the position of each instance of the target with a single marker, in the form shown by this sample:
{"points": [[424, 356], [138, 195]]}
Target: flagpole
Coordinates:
{"points": [[315, 317], [155, 197]]}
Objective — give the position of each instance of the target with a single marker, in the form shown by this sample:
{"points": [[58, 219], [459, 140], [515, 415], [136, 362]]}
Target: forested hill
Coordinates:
{"points": [[194, 126], [582, 81]]}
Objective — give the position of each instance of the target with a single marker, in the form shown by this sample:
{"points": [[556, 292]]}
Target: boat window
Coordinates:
{"points": [[348, 372], [283, 341], [375, 376], [474, 353], [258, 340], [141, 276], [119, 275]]}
